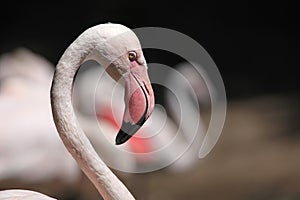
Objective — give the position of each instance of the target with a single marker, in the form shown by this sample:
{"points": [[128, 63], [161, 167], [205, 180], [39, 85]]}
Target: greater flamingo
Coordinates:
{"points": [[27, 131], [193, 95], [105, 98], [117, 49]]}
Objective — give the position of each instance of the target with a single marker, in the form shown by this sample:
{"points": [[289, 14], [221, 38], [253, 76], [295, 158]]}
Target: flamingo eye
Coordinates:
{"points": [[132, 56]]}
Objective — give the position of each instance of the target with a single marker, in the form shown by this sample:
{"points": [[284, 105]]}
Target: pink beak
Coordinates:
{"points": [[139, 102]]}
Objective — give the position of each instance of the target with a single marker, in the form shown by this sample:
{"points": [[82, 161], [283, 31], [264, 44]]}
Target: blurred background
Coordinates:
{"points": [[254, 45]]}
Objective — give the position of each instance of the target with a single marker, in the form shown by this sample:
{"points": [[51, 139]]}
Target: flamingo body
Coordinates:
{"points": [[28, 136], [22, 195]]}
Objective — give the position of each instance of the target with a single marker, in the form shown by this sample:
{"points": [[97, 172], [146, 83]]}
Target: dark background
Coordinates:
{"points": [[254, 45]]}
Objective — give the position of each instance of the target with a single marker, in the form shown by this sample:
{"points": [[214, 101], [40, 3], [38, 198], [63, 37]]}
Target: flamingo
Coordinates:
{"points": [[106, 101], [192, 93], [27, 131], [116, 48], [138, 153]]}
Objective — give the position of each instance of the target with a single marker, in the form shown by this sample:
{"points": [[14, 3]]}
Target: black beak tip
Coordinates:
{"points": [[131, 129], [122, 137]]}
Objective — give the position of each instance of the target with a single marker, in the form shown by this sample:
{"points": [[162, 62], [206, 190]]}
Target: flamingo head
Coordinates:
{"points": [[124, 61]]}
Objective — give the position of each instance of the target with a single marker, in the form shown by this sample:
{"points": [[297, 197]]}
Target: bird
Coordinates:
{"points": [[192, 95], [28, 132], [16, 194], [138, 155], [91, 94], [116, 48], [197, 88]]}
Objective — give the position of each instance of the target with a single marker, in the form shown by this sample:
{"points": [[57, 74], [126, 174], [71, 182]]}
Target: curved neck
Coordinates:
{"points": [[188, 116], [108, 185]]}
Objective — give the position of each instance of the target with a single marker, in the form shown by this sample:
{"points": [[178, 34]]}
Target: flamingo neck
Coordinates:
{"points": [[74, 139]]}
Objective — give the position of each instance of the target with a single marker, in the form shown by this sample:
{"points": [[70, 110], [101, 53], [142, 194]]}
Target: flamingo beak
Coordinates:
{"points": [[139, 103]]}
